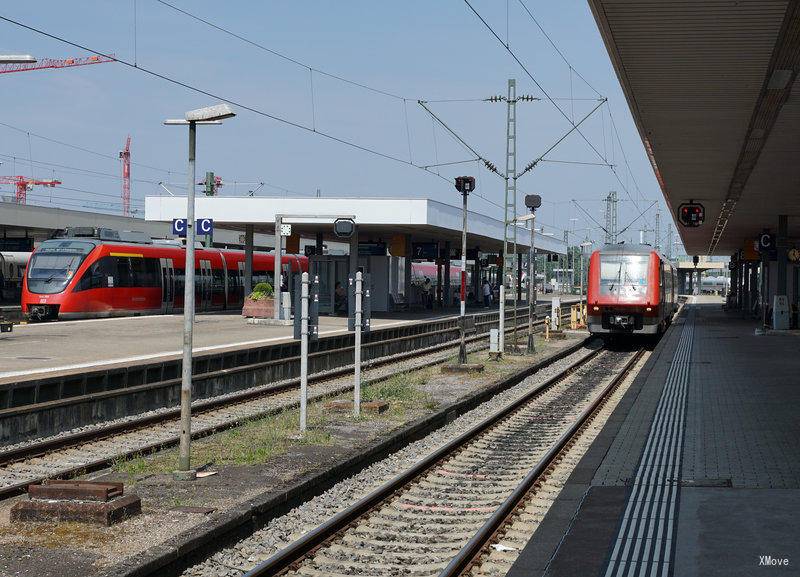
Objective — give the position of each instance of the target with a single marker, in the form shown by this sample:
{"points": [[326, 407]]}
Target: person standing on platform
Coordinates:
{"points": [[426, 292], [487, 294]]}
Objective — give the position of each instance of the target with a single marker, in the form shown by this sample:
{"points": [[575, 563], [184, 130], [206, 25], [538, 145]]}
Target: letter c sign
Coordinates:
{"points": [[205, 226]]}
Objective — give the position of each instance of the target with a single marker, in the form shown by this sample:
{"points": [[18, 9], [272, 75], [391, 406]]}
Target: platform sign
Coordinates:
{"points": [[366, 302], [424, 250], [203, 226]]}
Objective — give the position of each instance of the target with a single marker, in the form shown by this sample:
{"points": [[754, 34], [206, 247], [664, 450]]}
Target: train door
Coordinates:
{"points": [[167, 285], [205, 285]]}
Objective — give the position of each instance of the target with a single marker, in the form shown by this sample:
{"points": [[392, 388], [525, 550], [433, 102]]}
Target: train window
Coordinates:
{"points": [[623, 274], [144, 272]]}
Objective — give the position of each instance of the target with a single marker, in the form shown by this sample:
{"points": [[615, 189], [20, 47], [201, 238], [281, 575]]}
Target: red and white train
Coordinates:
{"points": [[632, 290], [104, 275]]}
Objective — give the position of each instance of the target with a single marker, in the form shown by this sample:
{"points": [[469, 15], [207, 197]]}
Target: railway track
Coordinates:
{"points": [[96, 447], [438, 513]]}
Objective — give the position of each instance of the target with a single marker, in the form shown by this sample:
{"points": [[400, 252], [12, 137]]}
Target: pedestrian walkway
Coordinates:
{"points": [[697, 473]]}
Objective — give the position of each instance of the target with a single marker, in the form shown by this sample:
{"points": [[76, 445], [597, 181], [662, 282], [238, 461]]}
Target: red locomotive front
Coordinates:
{"points": [[631, 290]]}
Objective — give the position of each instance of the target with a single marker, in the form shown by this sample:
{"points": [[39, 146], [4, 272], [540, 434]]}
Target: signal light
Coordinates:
{"points": [[691, 214]]}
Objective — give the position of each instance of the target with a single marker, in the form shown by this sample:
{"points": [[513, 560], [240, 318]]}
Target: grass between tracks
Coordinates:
{"points": [[410, 394]]}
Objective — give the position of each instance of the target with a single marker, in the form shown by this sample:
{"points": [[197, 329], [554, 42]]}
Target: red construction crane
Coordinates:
{"points": [[24, 184], [125, 156], [54, 63]]}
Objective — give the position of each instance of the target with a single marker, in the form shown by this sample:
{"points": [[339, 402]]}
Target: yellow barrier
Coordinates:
{"points": [[577, 316]]}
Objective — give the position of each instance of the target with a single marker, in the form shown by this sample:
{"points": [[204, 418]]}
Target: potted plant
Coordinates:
{"points": [[260, 303]]}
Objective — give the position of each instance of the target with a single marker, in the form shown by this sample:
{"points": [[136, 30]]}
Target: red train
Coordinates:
{"points": [[632, 290], [103, 274]]}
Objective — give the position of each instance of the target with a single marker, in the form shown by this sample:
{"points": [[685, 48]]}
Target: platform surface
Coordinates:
{"points": [[697, 473], [41, 348]]}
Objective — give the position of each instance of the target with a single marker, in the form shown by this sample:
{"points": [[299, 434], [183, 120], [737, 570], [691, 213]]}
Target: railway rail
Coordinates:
{"points": [[95, 447], [47, 405], [438, 514]]}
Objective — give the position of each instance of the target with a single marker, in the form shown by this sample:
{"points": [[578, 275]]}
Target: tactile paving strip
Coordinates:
{"points": [[644, 542]]}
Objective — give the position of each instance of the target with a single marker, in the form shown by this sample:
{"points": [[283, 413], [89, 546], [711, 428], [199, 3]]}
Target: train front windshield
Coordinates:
{"points": [[53, 266], [623, 275]]}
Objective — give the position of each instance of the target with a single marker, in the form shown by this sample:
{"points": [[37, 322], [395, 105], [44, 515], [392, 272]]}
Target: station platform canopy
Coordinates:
{"points": [[22, 226], [376, 219], [713, 88]]}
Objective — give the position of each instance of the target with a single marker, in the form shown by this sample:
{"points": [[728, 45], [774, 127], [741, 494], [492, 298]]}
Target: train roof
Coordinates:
{"points": [[623, 248]]}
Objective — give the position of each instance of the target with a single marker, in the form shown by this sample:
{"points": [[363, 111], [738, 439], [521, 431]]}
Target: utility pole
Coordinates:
{"points": [[657, 232], [669, 242], [510, 237], [611, 218]]}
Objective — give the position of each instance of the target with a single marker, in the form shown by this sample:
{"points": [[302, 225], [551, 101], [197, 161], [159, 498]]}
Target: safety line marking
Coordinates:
{"points": [[644, 543]]}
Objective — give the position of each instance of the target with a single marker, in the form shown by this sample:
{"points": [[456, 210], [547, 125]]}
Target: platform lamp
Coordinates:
{"points": [[213, 115], [532, 201], [464, 185]]}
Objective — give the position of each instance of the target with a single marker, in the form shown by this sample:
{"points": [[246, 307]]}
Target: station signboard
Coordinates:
{"points": [[425, 250], [202, 227]]}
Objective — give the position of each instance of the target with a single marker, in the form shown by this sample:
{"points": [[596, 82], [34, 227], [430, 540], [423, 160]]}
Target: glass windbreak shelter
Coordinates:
{"points": [[332, 271]]}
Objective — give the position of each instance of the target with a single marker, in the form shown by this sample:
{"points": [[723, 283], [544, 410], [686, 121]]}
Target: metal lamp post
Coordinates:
{"points": [[464, 185], [532, 201], [208, 115]]}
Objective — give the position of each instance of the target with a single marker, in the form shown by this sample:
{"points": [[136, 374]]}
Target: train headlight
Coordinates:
{"points": [[595, 309], [648, 309]]}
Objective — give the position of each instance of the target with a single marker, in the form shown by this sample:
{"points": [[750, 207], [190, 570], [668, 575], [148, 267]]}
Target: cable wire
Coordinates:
{"points": [[279, 54], [210, 94]]}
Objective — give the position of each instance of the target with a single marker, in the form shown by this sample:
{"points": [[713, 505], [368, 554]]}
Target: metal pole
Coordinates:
{"points": [[184, 460], [303, 351], [357, 385], [462, 349], [531, 284], [583, 264], [276, 279], [501, 323]]}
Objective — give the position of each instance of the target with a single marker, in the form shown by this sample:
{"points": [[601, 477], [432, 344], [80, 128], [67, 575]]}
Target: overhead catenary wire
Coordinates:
{"points": [[219, 97], [280, 54], [547, 95], [489, 165]]}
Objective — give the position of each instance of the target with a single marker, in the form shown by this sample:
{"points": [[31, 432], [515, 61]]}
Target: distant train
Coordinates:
{"points": [[632, 290], [105, 275], [12, 270]]}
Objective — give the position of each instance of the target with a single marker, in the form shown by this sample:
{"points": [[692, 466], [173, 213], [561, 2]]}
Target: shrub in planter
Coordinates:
{"points": [[259, 303]]}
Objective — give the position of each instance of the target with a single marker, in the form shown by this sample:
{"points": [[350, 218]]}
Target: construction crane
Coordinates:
{"points": [[46, 63], [125, 156], [24, 184]]}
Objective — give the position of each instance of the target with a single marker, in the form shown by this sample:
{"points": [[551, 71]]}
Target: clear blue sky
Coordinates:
{"points": [[416, 49]]}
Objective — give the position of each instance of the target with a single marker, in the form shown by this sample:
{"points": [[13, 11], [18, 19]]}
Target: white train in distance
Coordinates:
{"points": [[12, 269]]}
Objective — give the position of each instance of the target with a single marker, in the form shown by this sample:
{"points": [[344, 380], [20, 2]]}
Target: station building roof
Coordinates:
{"points": [[40, 222], [713, 88], [377, 219]]}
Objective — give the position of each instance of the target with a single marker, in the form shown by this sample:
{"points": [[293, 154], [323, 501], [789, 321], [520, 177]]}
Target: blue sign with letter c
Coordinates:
{"points": [[203, 226], [179, 226]]}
